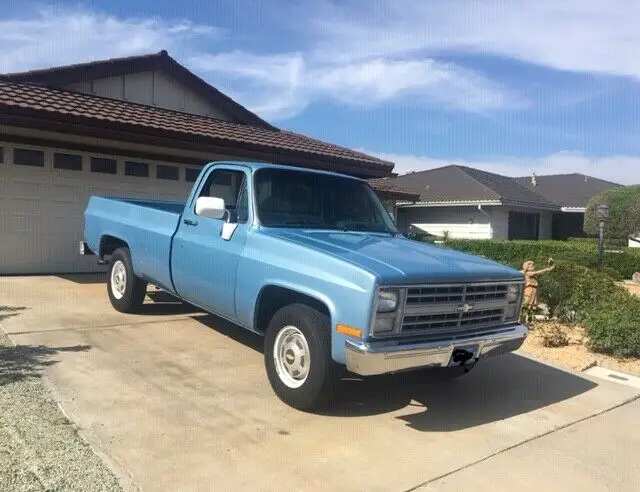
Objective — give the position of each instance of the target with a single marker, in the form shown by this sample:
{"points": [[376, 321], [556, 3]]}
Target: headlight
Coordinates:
{"points": [[387, 301], [513, 293]]}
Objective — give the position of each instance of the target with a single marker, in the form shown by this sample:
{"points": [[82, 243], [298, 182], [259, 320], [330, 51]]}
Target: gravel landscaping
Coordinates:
{"points": [[574, 355], [39, 448]]}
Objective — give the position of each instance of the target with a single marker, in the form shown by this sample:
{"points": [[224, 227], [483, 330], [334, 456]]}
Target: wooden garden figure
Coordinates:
{"points": [[531, 293]]}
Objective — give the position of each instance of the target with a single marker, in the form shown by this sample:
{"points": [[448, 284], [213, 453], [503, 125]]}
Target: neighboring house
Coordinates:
{"points": [[571, 192], [391, 194], [141, 126], [468, 203]]}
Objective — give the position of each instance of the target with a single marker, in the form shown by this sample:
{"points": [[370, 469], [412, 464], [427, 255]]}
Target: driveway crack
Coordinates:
{"points": [[523, 442]]}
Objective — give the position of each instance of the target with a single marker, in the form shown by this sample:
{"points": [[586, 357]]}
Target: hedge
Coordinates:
{"points": [[621, 264], [608, 312]]}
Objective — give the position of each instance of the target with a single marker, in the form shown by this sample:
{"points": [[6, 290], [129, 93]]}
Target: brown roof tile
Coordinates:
{"points": [[56, 104], [464, 184], [567, 190], [390, 191]]}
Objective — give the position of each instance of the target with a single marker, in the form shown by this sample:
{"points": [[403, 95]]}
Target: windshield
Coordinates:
{"points": [[287, 198]]}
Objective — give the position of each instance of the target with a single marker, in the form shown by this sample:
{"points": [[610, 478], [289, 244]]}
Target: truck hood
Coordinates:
{"points": [[397, 260]]}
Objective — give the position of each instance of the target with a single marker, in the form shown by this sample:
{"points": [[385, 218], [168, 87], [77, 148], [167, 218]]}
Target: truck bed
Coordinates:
{"points": [[147, 226]]}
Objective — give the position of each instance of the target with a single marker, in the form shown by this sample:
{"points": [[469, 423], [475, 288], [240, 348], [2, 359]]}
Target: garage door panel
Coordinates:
{"points": [[67, 193], [28, 189], [42, 214]]}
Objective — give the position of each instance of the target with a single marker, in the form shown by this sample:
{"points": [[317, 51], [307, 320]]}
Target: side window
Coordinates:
{"points": [[231, 186], [242, 209]]}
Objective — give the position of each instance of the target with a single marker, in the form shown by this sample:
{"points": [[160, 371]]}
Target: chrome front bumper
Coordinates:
{"points": [[382, 357]]}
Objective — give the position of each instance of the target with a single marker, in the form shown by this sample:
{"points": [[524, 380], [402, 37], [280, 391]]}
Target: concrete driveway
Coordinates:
{"points": [[175, 399]]}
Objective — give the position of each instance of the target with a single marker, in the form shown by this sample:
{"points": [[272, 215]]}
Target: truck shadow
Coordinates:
{"points": [[496, 389], [230, 330], [84, 278], [160, 303]]}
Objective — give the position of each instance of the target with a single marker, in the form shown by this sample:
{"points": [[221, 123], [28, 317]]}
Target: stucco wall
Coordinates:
{"points": [[459, 222], [469, 222]]}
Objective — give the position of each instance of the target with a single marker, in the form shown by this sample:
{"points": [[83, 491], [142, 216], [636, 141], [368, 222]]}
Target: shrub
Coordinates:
{"points": [[553, 335], [571, 290], [515, 253], [613, 325], [624, 212]]}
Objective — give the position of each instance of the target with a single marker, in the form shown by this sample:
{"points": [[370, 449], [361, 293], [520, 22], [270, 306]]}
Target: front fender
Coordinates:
{"points": [[346, 290]]}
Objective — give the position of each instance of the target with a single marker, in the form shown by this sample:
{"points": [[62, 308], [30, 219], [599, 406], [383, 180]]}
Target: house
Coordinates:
{"points": [[571, 192], [138, 126], [468, 203]]}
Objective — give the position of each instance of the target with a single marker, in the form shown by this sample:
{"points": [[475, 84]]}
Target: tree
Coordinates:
{"points": [[624, 212]]}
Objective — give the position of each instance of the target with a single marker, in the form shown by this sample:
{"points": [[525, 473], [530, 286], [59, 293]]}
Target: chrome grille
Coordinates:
{"points": [[453, 309], [456, 293]]}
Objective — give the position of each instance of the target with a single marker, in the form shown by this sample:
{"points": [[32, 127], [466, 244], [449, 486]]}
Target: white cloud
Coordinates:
{"points": [[373, 52], [281, 85], [617, 168], [274, 86], [63, 37], [593, 36], [355, 53]]}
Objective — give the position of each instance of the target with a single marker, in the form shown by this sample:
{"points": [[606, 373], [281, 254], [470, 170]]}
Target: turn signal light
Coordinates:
{"points": [[350, 331]]}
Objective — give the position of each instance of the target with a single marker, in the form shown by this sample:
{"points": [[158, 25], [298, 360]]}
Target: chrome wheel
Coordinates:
{"points": [[291, 356], [118, 279]]}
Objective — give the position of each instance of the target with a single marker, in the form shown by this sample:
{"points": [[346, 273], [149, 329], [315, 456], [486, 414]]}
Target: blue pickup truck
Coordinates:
{"points": [[312, 261]]}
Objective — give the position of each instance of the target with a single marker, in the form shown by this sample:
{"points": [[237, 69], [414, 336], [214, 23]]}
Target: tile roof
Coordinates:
{"points": [[98, 69], [567, 190], [58, 105], [464, 184], [390, 191]]}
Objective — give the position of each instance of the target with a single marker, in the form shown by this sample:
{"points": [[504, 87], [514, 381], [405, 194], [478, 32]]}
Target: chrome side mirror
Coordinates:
{"points": [[209, 206]]}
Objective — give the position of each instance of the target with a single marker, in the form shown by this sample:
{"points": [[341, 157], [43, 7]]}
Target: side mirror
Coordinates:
{"points": [[212, 207]]}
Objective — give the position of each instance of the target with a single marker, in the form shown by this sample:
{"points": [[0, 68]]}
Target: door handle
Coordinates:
{"points": [[190, 222]]}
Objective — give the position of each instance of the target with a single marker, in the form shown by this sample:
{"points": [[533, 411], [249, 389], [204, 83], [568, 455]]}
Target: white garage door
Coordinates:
{"points": [[43, 194]]}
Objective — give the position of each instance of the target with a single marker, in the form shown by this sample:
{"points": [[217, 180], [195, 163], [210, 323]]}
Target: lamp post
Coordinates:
{"points": [[602, 214]]}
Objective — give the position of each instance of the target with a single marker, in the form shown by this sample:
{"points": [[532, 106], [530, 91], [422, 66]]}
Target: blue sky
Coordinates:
{"points": [[512, 87]]}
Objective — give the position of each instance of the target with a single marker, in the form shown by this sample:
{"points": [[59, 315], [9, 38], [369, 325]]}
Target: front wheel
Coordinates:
{"points": [[297, 352]]}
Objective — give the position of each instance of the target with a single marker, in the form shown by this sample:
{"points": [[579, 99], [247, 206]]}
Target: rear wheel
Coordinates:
{"points": [[126, 291], [297, 352]]}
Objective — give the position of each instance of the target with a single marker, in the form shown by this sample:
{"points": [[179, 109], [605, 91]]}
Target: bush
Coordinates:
{"points": [[613, 325], [515, 253], [624, 212], [553, 335], [610, 314], [570, 290]]}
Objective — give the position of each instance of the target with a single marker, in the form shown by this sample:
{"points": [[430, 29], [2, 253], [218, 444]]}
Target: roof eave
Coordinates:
{"points": [[451, 203], [175, 139]]}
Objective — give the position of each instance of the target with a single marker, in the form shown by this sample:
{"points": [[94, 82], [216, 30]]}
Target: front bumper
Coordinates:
{"points": [[369, 359]]}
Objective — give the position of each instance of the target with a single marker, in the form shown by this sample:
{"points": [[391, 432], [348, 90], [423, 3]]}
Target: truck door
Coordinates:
{"points": [[204, 263]]}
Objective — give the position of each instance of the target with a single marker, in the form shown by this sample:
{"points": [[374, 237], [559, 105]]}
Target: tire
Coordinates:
{"points": [[126, 291], [292, 331]]}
